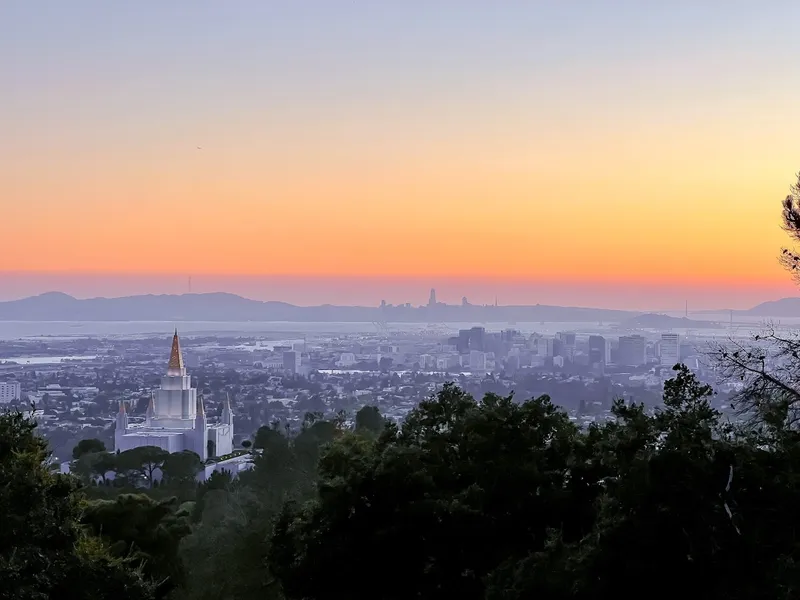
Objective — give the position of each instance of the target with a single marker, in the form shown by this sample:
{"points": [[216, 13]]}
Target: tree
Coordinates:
{"points": [[146, 530], [181, 468], [692, 507], [44, 552], [103, 463], [369, 420], [789, 257], [87, 447], [444, 499], [266, 437], [94, 465], [142, 462], [769, 366], [226, 554]]}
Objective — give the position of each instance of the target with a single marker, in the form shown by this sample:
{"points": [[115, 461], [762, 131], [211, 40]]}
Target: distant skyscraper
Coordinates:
{"points": [[10, 391], [631, 351], [463, 340], [545, 347], [568, 337], [477, 337], [477, 360], [597, 350], [432, 299], [291, 361], [670, 349]]}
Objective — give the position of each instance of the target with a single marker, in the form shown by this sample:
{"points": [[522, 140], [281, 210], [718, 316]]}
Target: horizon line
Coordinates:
{"points": [[396, 305]]}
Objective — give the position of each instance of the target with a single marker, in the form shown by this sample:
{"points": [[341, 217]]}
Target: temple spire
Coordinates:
{"points": [[227, 415], [122, 421], [200, 408], [175, 357], [151, 409]]}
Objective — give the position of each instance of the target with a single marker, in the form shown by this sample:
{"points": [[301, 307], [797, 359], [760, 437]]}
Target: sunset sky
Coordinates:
{"points": [[596, 153]]}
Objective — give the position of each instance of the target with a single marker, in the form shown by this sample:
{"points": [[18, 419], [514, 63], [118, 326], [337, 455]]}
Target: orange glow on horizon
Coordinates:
{"points": [[617, 159]]}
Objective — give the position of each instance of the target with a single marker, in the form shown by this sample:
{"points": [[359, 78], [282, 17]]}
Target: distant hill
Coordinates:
{"points": [[659, 321], [785, 307], [217, 307]]}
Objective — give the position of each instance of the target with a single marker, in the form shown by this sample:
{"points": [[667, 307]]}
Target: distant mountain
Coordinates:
{"points": [[785, 307], [659, 321], [55, 306]]}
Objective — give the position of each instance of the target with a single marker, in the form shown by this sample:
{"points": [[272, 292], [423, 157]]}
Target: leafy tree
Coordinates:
{"points": [[267, 436], [768, 366], [44, 552], [181, 468], [140, 463], [690, 497], [147, 530], [226, 554], [87, 447], [94, 465], [369, 420], [444, 499]]}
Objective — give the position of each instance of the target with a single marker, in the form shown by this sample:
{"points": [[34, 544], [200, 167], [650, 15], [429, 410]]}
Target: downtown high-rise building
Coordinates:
{"points": [[598, 350], [631, 351], [670, 349]]}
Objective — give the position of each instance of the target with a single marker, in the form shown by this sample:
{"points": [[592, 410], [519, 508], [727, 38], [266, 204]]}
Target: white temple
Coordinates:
{"points": [[176, 419]]}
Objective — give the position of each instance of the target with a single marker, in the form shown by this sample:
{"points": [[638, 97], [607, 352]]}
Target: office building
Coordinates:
{"points": [[462, 342], [567, 338], [670, 349], [545, 347], [291, 361], [598, 350], [10, 391], [477, 360], [631, 351]]}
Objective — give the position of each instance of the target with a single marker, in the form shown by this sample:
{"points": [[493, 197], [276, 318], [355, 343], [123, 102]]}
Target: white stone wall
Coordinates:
{"points": [[171, 441], [222, 436]]}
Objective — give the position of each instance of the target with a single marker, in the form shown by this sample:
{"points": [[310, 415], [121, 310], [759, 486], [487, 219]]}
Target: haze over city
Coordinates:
{"points": [[394, 299], [610, 154]]}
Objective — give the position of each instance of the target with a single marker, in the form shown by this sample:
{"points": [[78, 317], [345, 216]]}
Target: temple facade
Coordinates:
{"points": [[176, 419]]}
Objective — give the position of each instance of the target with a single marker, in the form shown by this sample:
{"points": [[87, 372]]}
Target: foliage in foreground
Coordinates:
{"points": [[507, 501], [493, 499], [44, 550]]}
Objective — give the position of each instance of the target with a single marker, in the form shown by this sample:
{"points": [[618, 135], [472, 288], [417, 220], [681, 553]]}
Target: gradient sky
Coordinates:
{"points": [[594, 145]]}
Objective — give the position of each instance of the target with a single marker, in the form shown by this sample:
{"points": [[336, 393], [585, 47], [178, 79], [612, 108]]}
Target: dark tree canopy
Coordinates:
{"points": [[369, 420], [141, 463], [87, 447], [146, 530], [790, 259], [510, 501], [44, 552], [94, 465], [443, 499], [181, 468], [768, 365]]}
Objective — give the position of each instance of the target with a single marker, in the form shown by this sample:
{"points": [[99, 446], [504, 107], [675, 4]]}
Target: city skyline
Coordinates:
{"points": [[633, 154], [373, 291]]}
